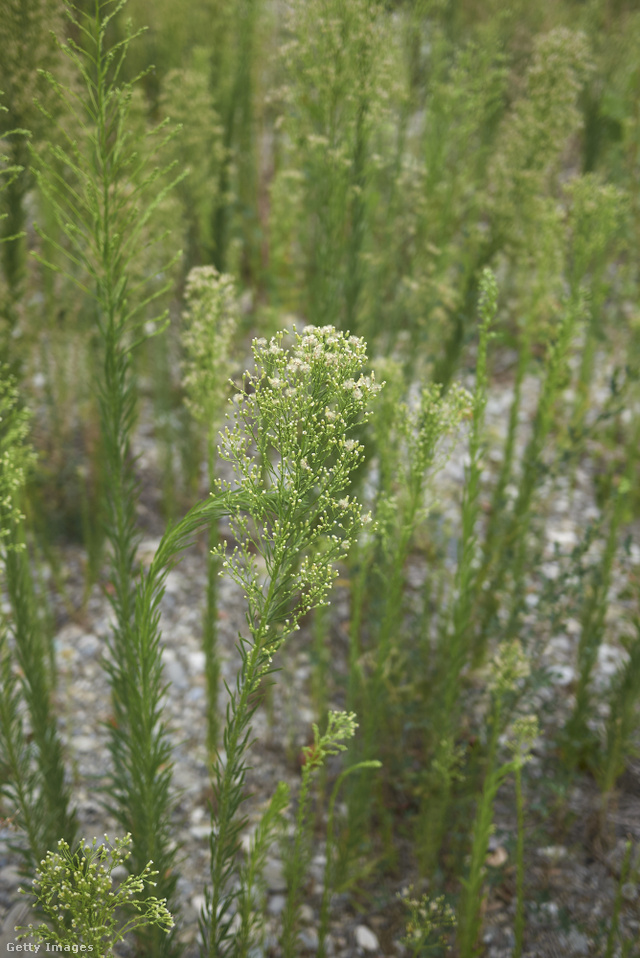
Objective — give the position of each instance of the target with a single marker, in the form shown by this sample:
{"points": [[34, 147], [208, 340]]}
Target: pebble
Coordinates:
{"points": [[366, 939], [89, 644], [309, 939], [197, 903], [550, 909], [196, 661], [562, 675], [274, 875], [176, 675], [200, 832], [577, 943], [306, 914], [275, 905], [119, 873]]}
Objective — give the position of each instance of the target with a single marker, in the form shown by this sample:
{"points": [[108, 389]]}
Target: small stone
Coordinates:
{"points": [[172, 582], [550, 909], [200, 831], [176, 674], [629, 891], [577, 943], [196, 662], [197, 903], [89, 644], [562, 675], [366, 939], [306, 914], [274, 875], [610, 659], [275, 905], [309, 939]]}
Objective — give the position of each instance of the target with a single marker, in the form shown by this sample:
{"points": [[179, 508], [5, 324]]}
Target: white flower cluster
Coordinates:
{"points": [[77, 895], [210, 322], [290, 446]]}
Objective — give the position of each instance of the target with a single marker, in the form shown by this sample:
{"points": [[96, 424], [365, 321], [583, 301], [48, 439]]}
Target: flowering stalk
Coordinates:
{"points": [[211, 318], [509, 667], [290, 450], [340, 726], [525, 732]]}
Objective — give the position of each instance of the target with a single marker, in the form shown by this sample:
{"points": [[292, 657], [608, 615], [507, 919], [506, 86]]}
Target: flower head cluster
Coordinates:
{"points": [[210, 321], [508, 668], [340, 726], [291, 447], [524, 734], [428, 921], [77, 894]]}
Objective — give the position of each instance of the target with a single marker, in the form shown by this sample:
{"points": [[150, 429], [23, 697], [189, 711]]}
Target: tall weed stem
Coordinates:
{"points": [[288, 422]]}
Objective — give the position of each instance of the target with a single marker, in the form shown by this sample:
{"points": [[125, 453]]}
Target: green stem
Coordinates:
{"points": [[519, 919]]}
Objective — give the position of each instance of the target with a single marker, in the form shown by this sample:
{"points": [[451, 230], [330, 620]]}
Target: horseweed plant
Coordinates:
{"points": [[210, 321], [508, 668], [102, 203], [290, 449], [35, 783], [76, 892]]}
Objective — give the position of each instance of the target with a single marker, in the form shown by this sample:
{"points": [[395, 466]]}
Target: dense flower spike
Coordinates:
{"points": [[211, 319], [290, 433]]}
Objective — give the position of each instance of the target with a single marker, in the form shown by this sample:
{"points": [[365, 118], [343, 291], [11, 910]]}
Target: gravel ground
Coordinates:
{"points": [[572, 872]]}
